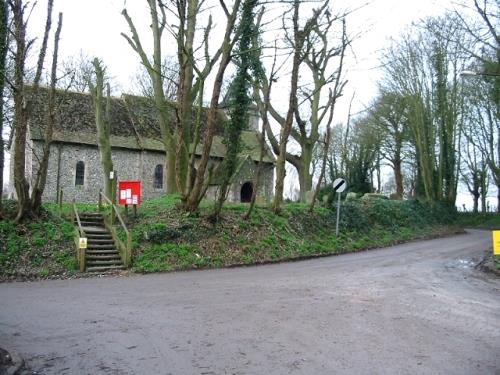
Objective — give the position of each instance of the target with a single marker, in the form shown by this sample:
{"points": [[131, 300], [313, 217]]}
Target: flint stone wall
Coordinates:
{"points": [[130, 165]]}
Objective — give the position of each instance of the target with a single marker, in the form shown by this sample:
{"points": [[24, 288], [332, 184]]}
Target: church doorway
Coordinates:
{"points": [[246, 192]]}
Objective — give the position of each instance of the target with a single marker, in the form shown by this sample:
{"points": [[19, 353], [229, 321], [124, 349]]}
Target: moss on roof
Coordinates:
{"points": [[134, 123]]}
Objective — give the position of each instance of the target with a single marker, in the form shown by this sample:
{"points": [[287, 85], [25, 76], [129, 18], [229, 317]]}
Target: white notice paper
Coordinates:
{"points": [[123, 194], [129, 193]]}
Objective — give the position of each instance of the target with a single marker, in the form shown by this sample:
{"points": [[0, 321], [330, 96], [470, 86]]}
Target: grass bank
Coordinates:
{"points": [[38, 249], [167, 239]]}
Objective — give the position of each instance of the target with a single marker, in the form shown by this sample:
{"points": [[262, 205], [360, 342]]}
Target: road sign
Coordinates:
{"points": [[339, 185], [496, 242], [82, 243]]}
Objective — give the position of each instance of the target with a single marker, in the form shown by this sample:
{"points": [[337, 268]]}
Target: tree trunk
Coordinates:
{"points": [[475, 199], [41, 176], [4, 35], [154, 70], [185, 39], [305, 178], [498, 198], [292, 106], [323, 166], [192, 201], [20, 113], [103, 125], [398, 178]]}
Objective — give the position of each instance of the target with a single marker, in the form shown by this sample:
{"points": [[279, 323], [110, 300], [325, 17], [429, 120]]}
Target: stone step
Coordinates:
{"points": [[91, 218], [99, 236], [96, 230], [101, 247], [104, 269], [103, 262], [100, 241], [115, 257], [101, 252], [92, 214], [86, 224]]}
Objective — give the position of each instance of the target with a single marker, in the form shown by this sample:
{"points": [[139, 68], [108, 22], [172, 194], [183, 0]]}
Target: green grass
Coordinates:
{"points": [[42, 248], [165, 238]]}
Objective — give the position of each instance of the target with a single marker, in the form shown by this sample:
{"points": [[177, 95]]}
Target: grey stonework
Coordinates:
{"points": [[129, 165], [246, 175]]}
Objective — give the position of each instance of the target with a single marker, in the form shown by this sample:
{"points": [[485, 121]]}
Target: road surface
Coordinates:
{"points": [[420, 307]]}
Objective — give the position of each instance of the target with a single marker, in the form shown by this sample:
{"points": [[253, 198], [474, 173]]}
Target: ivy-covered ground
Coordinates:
{"points": [[166, 238], [38, 249]]}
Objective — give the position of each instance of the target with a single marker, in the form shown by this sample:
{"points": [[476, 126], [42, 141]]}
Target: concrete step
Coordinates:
{"points": [[114, 257], [104, 269], [100, 241], [95, 230], [86, 224], [91, 214], [101, 247], [91, 218], [99, 236], [102, 252], [101, 262]]}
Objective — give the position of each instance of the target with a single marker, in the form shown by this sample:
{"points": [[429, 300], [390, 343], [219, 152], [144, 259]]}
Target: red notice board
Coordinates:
{"points": [[129, 192]]}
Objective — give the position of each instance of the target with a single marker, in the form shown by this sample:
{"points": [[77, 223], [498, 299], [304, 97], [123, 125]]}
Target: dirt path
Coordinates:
{"points": [[414, 308]]}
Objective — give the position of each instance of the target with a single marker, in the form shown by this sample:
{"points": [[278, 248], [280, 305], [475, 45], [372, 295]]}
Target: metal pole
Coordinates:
{"points": [[338, 215]]}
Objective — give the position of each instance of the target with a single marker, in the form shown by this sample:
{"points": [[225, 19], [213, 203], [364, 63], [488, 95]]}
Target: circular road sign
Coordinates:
{"points": [[339, 185]]}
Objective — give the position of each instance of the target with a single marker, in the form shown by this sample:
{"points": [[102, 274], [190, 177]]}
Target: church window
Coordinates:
{"points": [[80, 173], [158, 178]]}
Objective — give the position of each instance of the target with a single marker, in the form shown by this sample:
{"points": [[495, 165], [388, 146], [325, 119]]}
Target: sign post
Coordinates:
{"points": [[339, 186]]}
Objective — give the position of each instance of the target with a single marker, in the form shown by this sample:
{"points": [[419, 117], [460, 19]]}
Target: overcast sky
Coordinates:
{"points": [[94, 27]]}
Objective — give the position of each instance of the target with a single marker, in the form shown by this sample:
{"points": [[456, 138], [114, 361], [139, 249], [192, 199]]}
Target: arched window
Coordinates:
{"points": [[246, 192], [158, 178], [80, 173]]}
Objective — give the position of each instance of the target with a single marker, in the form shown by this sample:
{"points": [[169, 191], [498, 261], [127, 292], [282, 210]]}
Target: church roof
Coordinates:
{"points": [[134, 124]]}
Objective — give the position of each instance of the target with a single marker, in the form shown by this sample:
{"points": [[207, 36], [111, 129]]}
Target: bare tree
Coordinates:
{"points": [[193, 197], [154, 69], [323, 62], [103, 124], [423, 67], [76, 73], [41, 175], [141, 81], [28, 206], [388, 116], [4, 38]]}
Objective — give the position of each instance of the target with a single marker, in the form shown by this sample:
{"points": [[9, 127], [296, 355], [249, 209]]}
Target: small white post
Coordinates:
{"points": [[338, 215]]}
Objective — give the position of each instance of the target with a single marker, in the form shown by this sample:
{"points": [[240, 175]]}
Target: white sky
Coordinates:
{"points": [[94, 27]]}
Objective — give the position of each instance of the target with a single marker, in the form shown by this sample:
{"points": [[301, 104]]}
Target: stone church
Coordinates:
{"points": [[137, 150]]}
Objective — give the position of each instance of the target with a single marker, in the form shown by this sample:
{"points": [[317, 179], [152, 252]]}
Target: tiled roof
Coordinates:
{"points": [[134, 123]]}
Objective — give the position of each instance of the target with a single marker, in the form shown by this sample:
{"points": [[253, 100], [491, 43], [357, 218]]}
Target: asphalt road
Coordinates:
{"points": [[418, 308]]}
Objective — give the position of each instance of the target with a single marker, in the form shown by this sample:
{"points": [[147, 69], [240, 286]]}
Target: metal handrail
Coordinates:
{"points": [[114, 209]]}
